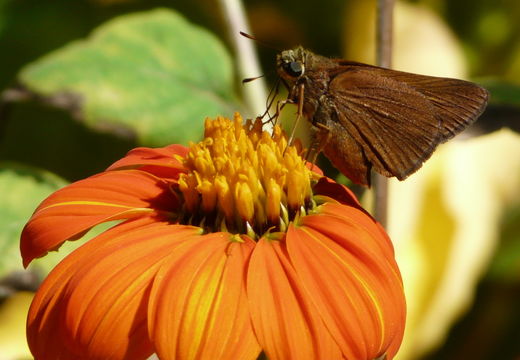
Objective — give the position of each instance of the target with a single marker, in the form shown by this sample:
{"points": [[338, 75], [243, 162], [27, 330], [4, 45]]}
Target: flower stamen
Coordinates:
{"points": [[253, 180]]}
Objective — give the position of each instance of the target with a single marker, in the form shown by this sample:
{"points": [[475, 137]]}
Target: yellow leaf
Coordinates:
{"points": [[444, 221], [423, 42], [13, 314]]}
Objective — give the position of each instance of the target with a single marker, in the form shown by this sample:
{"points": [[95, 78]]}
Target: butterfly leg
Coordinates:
{"points": [[321, 136], [299, 114], [279, 106], [269, 102]]}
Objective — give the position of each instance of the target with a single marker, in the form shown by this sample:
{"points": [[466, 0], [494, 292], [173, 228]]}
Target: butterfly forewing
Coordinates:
{"points": [[395, 135], [458, 103]]}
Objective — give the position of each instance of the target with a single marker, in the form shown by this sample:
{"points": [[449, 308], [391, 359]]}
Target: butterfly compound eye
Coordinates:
{"points": [[293, 68]]}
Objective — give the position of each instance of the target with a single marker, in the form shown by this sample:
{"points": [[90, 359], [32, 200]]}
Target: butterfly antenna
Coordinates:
{"points": [[263, 43], [246, 80], [272, 93]]}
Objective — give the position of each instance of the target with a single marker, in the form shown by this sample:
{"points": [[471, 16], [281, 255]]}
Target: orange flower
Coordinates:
{"points": [[225, 249]]}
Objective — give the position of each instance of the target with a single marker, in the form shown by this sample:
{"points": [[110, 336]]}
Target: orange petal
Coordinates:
{"points": [[347, 267], [93, 305], [162, 162], [198, 305], [314, 168], [338, 192], [71, 211], [46, 314], [285, 321]]}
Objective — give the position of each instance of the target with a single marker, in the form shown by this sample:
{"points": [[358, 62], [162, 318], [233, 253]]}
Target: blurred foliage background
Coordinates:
{"points": [[51, 134]]}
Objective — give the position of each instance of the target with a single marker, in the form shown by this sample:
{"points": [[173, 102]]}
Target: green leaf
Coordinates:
{"points": [[22, 189], [503, 93], [152, 72], [505, 266], [49, 138]]}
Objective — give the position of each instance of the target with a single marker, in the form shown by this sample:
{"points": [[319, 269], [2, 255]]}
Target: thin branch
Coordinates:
{"points": [[384, 32], [245, 54]]}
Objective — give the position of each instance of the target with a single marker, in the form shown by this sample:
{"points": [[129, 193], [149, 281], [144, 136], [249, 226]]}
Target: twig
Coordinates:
{"points": [[245, 55], [384, 32]]}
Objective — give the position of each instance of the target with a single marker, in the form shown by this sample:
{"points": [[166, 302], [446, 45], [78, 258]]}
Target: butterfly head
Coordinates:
{"points": [[290, 64]]}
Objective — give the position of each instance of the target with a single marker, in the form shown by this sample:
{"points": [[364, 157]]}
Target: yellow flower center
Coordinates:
{"points": [[244, 180]]}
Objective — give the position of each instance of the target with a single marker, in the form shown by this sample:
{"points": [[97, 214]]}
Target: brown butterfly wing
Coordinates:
{"points": [[394, 120], [458, 103]]}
